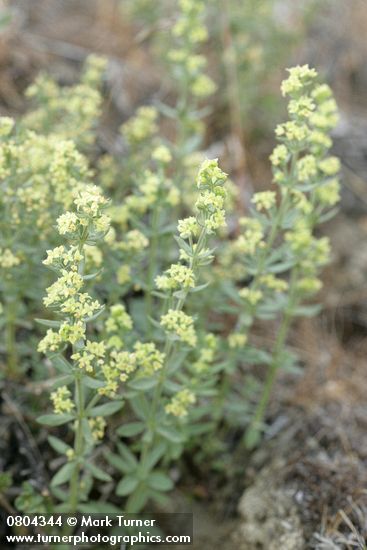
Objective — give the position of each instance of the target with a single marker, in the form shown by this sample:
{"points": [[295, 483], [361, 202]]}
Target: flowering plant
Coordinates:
{"points": [[157, 341], [276, 250]]}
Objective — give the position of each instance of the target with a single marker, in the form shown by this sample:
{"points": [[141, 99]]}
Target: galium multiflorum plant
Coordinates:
{"points": [[187, 69], [150, 200], [145, 199], [180, 45], [169, 379], [85, 379], [277, 251], [38, 174], [252, 41], [160, 379], [39, 170], [71, 112]]}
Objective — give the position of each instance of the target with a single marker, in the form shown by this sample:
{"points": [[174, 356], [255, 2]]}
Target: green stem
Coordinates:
{"points": [[168, 351], [78, 446], [255, 428], [11, 346], [152, 266]]}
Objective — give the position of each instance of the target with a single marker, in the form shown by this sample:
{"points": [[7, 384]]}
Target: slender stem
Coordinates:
{"points": [[235, 100], [168, 351], [255, 428], [78, 446], [80, 406], [152, 266], [11, 346]]}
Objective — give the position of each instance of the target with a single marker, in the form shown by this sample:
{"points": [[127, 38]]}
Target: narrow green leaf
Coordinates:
{"points": [[143, 384], [55, 419], [160, 498], [95, 315], [307, 311], [107, 409], [155, 455], [131, 429], [127, 455], [63, 381], [63, 474], [138, 499], [61, 364], [117, 462], [92, 275], [48, 323], [140, 407], [126, 486], [97, 472], [183, 244], [199, 287], [159, 481], [60, 494], [170, 434], [58, 445], [92, 383], [87, 433]]}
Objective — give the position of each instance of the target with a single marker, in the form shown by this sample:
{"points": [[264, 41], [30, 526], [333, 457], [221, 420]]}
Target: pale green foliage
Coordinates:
{"points": [[69, 112], [132, 322], [276, 247]]}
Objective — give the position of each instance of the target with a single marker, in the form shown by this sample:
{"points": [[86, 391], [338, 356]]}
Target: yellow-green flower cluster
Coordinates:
{"points": [[313, 114], [181, 325], [151, 189], [97, 426], [6, 126], [251, 295], [329, 193], [134, 241], [237, 340], [65, 294], [179, 404], [188, 227], [91, 356], [251, 237], [61, 400], [93, 257], [66, 286], [299, 78], [47, 172], [141, 127], [50, 343], [94, 69], [8, 259], [68, 167], [188, 64], [69, 111], [264, 200], [309, 254], [177, 276], [89, 216], [120, 365], [210, 203], [162, 154], [123, 274], [148, 358], [271, 282], [207, 354], [119, 319]]}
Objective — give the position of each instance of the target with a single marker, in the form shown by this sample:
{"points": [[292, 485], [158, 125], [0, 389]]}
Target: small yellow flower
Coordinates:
{"points": [[179, 404], [61, 400]]}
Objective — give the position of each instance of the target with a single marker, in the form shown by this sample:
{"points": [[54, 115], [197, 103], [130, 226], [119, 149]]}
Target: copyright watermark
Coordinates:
{"points": [[121, 530]]}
